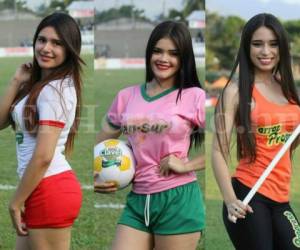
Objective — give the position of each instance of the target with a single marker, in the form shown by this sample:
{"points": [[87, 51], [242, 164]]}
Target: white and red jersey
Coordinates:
{"points": [[56, 106]]}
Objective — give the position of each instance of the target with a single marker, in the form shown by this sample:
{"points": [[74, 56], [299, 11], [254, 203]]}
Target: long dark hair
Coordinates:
{"points": [[187, 74], [246, 145], [69, 33]]}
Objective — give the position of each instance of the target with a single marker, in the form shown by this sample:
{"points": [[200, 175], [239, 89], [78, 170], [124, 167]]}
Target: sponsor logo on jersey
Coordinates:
{"points": [[141, 126], [274, 134]]}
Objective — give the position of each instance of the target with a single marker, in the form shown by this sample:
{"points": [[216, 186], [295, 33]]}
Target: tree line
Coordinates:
{"points": [[131, 11], [223, 37]]}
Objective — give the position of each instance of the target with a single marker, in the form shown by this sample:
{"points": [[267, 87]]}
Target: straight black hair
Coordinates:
{"points": [[187, 74], [246, 145]]}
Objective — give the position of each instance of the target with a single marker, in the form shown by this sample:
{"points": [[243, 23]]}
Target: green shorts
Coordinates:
{"points": [[178, 210]]}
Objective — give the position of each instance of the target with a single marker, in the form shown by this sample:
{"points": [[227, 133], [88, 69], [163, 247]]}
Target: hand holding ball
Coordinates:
{"points": [[114, 163]]}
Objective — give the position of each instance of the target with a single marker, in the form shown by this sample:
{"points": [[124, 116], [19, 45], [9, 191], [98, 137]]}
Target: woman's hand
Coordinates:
{"points": [[171, 163], [104, 187], [15, 212], [23, 73], [237, 210]]}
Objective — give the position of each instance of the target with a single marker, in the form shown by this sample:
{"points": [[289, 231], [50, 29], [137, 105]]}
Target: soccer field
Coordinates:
{"points": [[95, 227], [107, 85], [216, 236], [81, 161]]}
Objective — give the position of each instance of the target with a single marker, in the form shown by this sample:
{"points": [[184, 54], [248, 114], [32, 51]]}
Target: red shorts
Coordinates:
{"points": [[55, 203]]}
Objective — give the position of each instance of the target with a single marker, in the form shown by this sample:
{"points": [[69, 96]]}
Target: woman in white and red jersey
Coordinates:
{"points": [[42, 103], [264, 108]]}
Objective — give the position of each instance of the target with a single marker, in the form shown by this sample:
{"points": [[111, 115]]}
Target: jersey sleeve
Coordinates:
{"points": [[199, 114], [56, 103], [116, 110]]}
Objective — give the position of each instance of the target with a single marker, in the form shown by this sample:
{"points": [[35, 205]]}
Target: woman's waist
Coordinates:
{"points": [[251, 171], [57, 165], [147, 182]]}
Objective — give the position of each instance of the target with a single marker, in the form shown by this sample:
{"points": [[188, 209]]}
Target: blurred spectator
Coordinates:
{"points": [[26, 43], [199, 37], [102, 50]]}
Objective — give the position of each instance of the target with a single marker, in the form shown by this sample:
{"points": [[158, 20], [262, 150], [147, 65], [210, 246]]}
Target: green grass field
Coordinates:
{"points": [[216, 237], [108, 83], [95, 228], [86, 232]]}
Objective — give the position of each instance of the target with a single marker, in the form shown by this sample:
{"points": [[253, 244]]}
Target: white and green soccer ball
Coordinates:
{"points": [[114, 162]]}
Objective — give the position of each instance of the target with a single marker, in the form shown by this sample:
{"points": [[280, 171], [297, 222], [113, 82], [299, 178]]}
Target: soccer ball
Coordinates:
{"points": [[114, 162]]}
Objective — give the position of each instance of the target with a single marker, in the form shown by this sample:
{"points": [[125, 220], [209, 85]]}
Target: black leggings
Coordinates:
{"points": [[272, 226]]}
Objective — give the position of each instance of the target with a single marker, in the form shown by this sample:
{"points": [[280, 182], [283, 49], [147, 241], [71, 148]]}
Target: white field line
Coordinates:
{"points": [[109, 205], [4, 187], [7, 187], [87, 187]]}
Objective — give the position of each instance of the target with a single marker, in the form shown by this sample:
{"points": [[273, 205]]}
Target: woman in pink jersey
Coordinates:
{"points": [[162, 119], [42, 104], [264, 108]]}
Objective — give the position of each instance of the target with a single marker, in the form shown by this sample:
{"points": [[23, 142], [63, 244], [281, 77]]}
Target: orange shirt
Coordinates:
{"points": [[272, 125]]}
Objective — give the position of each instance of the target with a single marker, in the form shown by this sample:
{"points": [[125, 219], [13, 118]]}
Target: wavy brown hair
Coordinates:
{"points": [[69, 34]]}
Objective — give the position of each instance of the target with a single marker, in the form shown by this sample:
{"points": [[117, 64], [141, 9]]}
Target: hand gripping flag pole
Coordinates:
{"points": [[270, 167]]}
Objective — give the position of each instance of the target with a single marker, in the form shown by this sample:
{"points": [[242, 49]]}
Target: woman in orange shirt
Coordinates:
{"points": [[264, 108]]}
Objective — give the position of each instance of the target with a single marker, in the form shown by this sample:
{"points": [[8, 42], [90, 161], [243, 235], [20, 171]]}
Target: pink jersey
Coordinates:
{"points": [[157, 127]]}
